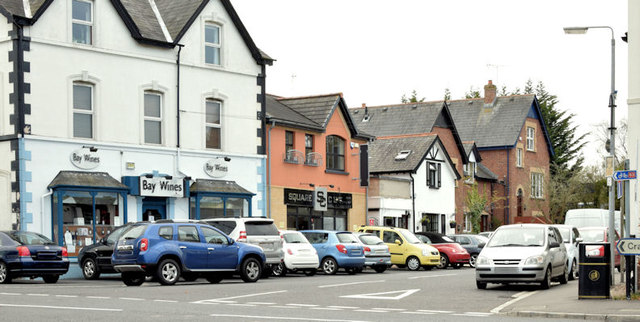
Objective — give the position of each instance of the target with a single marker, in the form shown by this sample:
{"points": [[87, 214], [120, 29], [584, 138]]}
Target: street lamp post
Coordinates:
{"points": [[612, 142]]}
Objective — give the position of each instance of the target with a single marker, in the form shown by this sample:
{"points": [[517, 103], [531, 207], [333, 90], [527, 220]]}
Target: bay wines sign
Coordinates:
{"points": [[335, 200], [161, 187]]}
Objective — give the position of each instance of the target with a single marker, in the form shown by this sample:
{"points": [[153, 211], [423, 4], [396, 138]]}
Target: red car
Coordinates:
{"points": [[451, 253], [600, 235]]}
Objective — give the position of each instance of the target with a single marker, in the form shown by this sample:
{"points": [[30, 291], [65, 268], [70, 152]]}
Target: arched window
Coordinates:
{"points": [[335, 153]]}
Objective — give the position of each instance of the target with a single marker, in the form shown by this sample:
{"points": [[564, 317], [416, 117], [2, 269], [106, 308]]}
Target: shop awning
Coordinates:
{"points": [[80, 179], [220, 186]]}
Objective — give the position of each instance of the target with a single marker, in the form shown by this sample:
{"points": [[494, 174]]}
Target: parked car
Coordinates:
{"points": [[406, 249], [523, 253], [600, 235], [28, 254], [96, 259], [168, 249], [451, 253], [299, 255], [472, 243], [376, 252], [590, 217], [486, 234], [257, 231], [336, 249], [571, 238]]}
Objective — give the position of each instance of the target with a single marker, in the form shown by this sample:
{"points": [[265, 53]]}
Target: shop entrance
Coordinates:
{"points": [[154, 208]]}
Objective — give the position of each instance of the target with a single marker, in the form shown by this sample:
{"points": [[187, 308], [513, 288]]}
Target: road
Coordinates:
{"points": [[395, 295]]}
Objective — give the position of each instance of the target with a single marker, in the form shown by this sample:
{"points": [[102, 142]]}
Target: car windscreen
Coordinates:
{"points": [[592, 235], [261, 228], [29, 238], [295, 238], [225, 226], [371, 240], [134, 232], [347, 238], [409, 236], [113, 237], [316, 238], [518, 237]]}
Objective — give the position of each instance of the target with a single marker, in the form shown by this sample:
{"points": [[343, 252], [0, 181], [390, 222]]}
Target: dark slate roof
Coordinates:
{"points": [[495, 126], [388, 120], [470, 146], [86, 179], [383, 151], [224, 186], [310, 112], [14, 9], [483, 172]]}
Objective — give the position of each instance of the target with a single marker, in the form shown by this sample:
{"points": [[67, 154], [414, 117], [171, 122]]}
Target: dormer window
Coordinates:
{"points": [[82, 22], [212, 44], [469, 170], [402, 155]]}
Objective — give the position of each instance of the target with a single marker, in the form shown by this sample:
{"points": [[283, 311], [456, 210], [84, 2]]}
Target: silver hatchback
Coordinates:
{"points": [[523, 253], [376, 252]]}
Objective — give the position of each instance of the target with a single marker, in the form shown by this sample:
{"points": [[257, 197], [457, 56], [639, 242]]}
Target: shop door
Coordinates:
{"points": [[154, 209]]}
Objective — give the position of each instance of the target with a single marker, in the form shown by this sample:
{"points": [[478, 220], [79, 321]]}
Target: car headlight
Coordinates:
{"points": [[482, 260], [535, 260]]}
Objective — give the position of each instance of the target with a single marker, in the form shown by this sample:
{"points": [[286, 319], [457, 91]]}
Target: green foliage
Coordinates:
{"points": [[412, 99], [447, 94], [476, 204], [472, 93]]}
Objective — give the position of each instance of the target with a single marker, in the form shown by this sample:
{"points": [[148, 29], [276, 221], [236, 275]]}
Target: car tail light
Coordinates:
{"points": [[243, 237], [65, 253], [144, 244], [367, 249], [289, 251], [23, 251], [341, 248]]}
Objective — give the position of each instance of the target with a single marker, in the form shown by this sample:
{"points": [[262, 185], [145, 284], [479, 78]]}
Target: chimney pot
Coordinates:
{"points": [[489, 93]]}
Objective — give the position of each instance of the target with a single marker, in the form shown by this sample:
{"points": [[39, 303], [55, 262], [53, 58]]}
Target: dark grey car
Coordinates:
{"points": [[472, 243]]}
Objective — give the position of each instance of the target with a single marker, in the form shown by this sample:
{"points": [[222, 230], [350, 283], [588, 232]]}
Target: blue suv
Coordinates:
{"points": [[336, 249], [169, 249]]}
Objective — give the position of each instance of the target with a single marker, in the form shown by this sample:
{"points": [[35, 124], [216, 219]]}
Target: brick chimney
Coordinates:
{"points": [[489, 93]]}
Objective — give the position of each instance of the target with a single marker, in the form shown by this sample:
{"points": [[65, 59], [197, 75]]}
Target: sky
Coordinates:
{"points": [[375, 51]]}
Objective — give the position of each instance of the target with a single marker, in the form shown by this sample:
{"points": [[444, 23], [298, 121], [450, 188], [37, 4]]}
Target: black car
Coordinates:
{"points": [[28, 254], [96, 259], [472, 243]]}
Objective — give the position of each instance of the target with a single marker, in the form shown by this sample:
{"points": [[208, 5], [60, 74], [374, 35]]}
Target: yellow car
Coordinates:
{"points": [[405, 247]]}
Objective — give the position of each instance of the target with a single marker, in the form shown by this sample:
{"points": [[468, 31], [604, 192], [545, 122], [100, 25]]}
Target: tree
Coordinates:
{"points": [[412, 99], [447, 94], [476, 204], [472, 93], [602, 137]]}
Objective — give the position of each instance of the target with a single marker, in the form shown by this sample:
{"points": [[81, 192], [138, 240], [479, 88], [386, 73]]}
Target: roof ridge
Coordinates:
{"points": [[309, 96], [401, 136]]}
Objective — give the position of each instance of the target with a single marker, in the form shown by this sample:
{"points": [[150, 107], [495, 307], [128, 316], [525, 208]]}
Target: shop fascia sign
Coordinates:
{"points": [[161, 187], [306, 198], [216, 168], [85, 159]]}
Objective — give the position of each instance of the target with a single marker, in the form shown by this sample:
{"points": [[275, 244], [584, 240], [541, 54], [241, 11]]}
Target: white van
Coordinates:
{"points": [[589, 217]]}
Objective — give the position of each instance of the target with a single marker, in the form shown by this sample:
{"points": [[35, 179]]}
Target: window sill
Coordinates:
{"points": [[336, 172], [311, 164]]}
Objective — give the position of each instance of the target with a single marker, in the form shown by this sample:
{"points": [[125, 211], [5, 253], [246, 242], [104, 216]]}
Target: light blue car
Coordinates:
{"points": [[336, 249]]}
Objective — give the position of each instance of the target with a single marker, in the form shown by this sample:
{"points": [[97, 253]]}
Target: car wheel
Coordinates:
{"points": [[444, 261], [310, 272], [250, 270], [472, 260], [90, 269], [4, 274], [573, 274], [329, 266], [413, 263], [190, 277], [380, 268], [279, 270], [481, 285], [214, 278], [564, 278], [132, 278], [50, 279], [546, 282], [168, 272]]}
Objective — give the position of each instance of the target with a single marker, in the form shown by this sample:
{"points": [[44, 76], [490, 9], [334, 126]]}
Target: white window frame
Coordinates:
{"points": [[212, 45], [80, 111], [467, 224], [519, 154], [537, 185], [83, 22], [213, 125], [531, 141], [153, 118], [469, 170]]}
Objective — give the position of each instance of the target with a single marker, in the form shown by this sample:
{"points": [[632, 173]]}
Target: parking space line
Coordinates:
{"points": [[262, 303], [388, 309], [284, 307], [68, 296], [131, 299], [344, 307], [520, 297], [257, 317], [222, 300], [37, 294], [412, 312], [60, 307], [303, 305], [327, 308], [352, 283], [166, 301], [436, 311], [98, 297], [240, 304], [371, 311], [18, 294]]}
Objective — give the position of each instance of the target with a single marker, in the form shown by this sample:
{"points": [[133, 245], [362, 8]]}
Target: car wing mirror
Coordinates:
{"points": [[398, 242], [579, 240]]}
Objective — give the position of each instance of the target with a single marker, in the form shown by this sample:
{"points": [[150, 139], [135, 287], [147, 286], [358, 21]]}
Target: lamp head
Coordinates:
{"points": [[575, 30]]}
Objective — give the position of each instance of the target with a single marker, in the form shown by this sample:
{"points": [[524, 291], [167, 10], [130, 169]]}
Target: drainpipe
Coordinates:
{"points": [[507, 188], [48, 194], [413, 203], [273, 124], [178, 112]]}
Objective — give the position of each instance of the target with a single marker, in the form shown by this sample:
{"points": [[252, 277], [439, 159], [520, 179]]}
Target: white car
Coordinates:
{"points": [[571, 238], [299, 255]]}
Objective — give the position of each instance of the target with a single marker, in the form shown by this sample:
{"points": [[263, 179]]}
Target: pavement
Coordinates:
{"points": [[561, 301]]}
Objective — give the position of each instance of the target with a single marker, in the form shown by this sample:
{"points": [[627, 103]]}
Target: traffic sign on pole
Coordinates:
{"points": [[624, 175], [629, 246]]}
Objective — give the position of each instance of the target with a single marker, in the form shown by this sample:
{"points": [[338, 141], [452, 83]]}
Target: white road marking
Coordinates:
{"points": [[34, 294], [372, 311], [425, 313], [470, 314], [131, 299], [66, 296], [478, 313], [60, 307], [303, 305], [166, 301], [279, 318], [240, 304], [436, 311], [388, 309], [222, 300], [344, 307], [261, 303], [284, 307], [327, 308], [352, 283], [378, 296], [10, 294], [520, 297], [98, 297], [429, 276]]}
